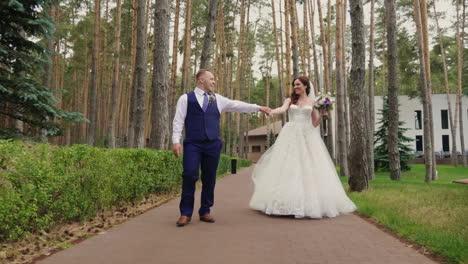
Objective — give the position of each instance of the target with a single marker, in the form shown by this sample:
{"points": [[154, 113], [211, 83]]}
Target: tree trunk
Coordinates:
{"points": [[229, 125], [47, 78], [357, 158], [85, 96], [124, 101], [267, 103], [223, 65], [428, 150], [330, 134], [345, 82], [294, 38], [326, 76], [343, 161], [393, 119], [172, 84], [306, 42], [329, 56], [94, 82], [312, 33], [103, 91], [278, 59], [56, 64], [324, 48], [160, 82], [460, 45], [115, 78], [132, 92], [220, 62], [426, 50], [187, 48], [282, 55], [56, 74], [245, 71], [220, 55], [206, 52], [240, 74], [288, 46], [195, 53], [371, 117], [150, 45], [453, 124], [140, 76]]}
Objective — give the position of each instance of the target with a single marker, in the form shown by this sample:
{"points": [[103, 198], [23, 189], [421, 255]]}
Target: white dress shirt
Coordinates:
{"points": [[224, 105]]}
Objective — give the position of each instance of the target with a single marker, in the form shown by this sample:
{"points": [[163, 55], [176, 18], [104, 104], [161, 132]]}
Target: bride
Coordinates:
{"points": [[296, 176]]}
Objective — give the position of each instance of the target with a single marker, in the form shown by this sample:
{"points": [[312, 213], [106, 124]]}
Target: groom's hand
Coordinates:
{"points": [[265, 109], [177, 149]]}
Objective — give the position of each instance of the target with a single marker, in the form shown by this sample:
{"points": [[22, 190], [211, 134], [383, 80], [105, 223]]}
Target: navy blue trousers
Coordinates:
{"points": [[204, 155]]}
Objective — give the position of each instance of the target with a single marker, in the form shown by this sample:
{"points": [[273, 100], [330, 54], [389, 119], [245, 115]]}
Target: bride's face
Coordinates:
{"points": [[299, 87]]}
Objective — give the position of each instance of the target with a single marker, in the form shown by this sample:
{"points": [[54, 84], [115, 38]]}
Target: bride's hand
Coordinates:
{"points": [[265, 109]]}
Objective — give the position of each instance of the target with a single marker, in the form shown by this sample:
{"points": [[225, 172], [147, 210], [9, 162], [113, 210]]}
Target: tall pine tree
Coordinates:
{"points": [[22, 58], [381, 142]]}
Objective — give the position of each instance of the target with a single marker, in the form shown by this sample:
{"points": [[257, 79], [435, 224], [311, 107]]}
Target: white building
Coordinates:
{"points": [[411, 112]]}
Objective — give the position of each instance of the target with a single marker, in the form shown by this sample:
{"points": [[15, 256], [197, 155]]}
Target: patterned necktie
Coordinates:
{"points": [[205, 102]]}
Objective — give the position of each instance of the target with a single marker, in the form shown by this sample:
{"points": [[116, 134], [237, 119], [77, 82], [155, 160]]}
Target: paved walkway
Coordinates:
{"points": [[240, 235]]}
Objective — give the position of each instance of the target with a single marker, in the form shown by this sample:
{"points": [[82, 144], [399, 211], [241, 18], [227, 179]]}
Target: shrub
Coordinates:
{"points": [[43, 185]]}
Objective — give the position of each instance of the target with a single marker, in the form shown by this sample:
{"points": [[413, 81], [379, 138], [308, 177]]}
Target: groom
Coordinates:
{"points": [[200, 111]]}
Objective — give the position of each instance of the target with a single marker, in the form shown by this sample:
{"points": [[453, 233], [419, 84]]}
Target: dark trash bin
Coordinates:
{"points": [[234, 166]]}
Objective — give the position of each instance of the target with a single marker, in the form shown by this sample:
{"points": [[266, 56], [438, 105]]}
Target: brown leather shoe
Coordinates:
{"points": [[207, 218], [183, 221]]}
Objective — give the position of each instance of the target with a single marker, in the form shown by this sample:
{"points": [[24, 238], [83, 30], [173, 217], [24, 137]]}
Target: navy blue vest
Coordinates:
{"points": [[201, 125]]}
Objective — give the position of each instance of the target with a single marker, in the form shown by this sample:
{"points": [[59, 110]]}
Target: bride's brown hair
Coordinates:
{"points": [[305, 81]]}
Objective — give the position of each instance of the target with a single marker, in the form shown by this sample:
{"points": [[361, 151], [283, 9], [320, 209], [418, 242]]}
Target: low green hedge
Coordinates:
{"points": [[43, 185]]}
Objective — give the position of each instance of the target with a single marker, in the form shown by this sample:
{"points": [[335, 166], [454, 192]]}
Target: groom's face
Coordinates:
{"points": [[208, 82]]}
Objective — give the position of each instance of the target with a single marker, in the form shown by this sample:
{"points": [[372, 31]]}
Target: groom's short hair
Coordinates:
{"points": [[200, 73]]}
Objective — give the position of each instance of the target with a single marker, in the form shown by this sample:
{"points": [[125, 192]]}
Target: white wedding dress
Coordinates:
{"points": [[296, 175]]}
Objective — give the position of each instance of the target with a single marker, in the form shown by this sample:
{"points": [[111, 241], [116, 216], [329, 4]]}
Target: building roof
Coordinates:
{"points": [[262, 131]]}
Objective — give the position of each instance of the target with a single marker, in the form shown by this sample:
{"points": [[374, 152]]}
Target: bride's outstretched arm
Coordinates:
{"points": [[281, 109]]}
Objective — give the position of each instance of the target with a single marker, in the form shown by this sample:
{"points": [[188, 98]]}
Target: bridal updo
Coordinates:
{"points": [[305, 81]]}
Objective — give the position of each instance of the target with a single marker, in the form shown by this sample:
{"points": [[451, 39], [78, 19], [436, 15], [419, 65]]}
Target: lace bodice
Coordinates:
{"points": [[300, 114]]}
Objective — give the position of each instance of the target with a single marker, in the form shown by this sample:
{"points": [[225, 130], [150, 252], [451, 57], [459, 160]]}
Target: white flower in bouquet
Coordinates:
{"points": [[324, 102]]}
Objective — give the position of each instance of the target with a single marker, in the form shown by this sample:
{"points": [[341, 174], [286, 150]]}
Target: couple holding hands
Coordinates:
{"points": [[295, 176]]}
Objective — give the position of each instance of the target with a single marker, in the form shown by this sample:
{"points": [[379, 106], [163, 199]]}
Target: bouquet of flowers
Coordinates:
{"points": [[324, 102]]}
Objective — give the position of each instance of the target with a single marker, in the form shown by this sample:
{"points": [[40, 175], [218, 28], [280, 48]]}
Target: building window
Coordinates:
{"points": [[246, 149], [445, 143], [444, 118], [256, 149], [419, 143], [417, 119]]}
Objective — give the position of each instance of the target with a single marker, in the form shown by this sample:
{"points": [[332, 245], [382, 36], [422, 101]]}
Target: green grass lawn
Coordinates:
{"points": [[434, 215]]}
